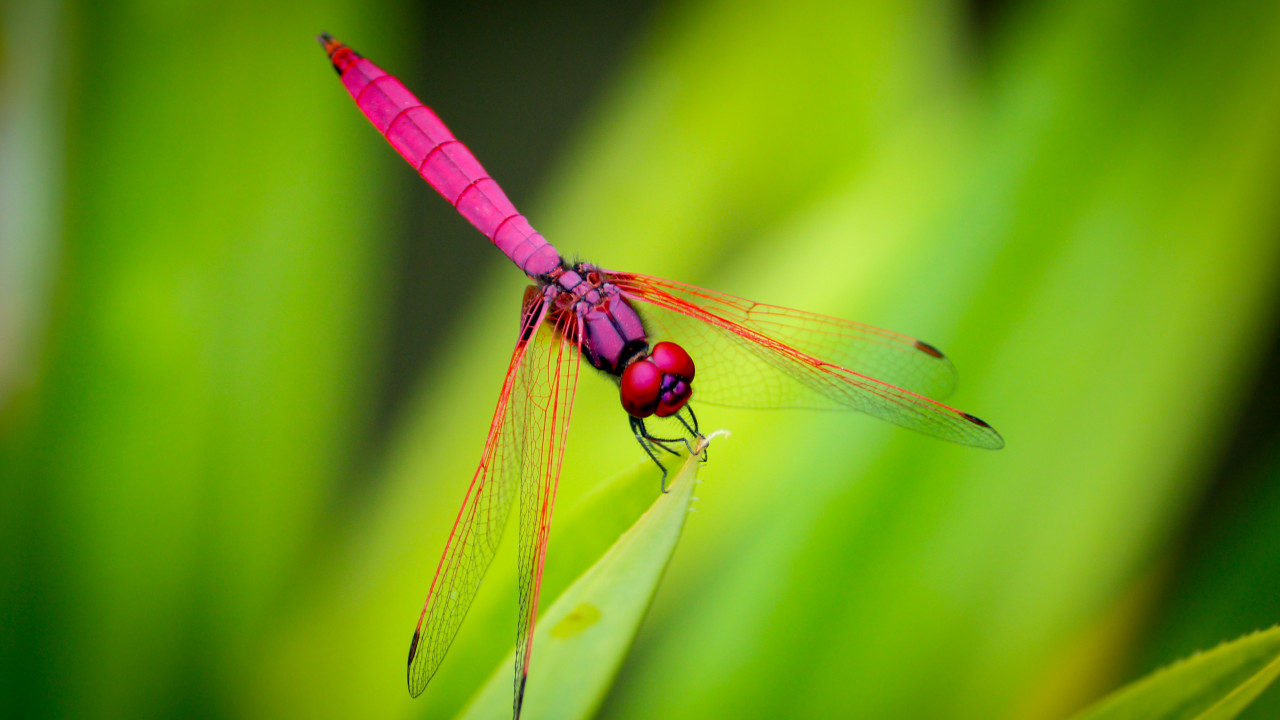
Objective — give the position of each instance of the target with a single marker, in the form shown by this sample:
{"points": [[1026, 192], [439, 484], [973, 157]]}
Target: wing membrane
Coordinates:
{"points": [[512, 452], [762, 356], [888, 356], [549, 382]]}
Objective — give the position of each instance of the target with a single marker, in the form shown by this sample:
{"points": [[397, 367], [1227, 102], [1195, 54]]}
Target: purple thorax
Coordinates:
{"points": [[612, 334]]}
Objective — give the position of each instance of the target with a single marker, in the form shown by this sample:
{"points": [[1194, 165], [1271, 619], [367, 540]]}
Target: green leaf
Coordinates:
{"points": [[1217, 685], [581, 640]]}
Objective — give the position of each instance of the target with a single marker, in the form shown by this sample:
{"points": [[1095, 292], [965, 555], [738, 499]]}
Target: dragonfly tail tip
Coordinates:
{"points": [[329, 43], [339, 54]]}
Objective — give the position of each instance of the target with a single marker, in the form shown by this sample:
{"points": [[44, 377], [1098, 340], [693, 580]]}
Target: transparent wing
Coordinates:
{"points": [[763, 356], [548, 381], [888, 356], [509, 451]]}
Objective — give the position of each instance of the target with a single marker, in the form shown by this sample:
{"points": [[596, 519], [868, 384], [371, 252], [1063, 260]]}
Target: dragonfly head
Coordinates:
{"points": [[659, 383]]}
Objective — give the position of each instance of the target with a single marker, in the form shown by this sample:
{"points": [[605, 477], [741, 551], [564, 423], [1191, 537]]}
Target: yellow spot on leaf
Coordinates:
{"points": [[582, 617]]}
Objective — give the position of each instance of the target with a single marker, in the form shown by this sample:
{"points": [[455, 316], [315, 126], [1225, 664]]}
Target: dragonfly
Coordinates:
{"points": [[644, 333]]}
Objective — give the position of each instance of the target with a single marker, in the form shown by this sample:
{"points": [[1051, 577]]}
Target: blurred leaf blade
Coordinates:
{"points": [[206, 359], [32, 182], [1216, 685], [1229, 574]]}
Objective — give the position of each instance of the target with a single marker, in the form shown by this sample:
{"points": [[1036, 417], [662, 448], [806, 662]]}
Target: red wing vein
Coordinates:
{"points": [[741, 364], [890, 357], [478, 529], [551, 384]]}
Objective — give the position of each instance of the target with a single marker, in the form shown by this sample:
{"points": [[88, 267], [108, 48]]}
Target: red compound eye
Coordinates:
{"points": [[641, 388], [671, 359]]}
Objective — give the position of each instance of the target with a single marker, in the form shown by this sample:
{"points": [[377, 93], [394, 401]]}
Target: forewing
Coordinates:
{"points": [[548, 380], [890, 357], [480, 523], [741, 362]]}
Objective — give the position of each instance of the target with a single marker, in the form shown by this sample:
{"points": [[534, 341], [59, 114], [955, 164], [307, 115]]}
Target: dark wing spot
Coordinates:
{"points": [[413, 646], [975, 420], [931, 351], [519, 703]]}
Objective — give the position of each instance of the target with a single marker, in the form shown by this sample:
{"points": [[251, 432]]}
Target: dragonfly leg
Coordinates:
{"points": [[693, 429], [646, 442], [662, 442], [694, 418]]}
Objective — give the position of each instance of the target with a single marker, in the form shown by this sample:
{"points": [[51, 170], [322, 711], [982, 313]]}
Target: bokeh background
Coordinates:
{"points": [[247, 358]]}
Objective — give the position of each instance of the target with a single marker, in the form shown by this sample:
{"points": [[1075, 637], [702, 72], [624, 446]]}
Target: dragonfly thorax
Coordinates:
{"points": [[652, 381], [612, 333]]}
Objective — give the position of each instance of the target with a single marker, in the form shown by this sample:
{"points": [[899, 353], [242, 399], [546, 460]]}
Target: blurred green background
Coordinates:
{"points": [[247, 358]]}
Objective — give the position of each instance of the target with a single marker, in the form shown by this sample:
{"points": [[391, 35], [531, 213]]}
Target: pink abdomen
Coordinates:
{"points": [[424, 141]]}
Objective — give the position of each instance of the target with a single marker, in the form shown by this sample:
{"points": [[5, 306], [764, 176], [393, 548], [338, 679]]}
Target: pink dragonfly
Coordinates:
{"points": [[749, 355]]}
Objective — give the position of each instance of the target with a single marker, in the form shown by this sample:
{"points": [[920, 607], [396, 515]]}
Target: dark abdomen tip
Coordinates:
{"points": [[339, 54]]}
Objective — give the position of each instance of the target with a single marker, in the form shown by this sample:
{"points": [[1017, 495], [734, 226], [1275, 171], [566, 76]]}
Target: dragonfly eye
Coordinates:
{"points": [[677, 377], [641, 388], [671, 359], [670, 402], [659, 384]]}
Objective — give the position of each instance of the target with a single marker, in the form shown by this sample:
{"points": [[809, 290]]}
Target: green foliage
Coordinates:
{"points": [[1217, 685], [582, 637], [200, 513]]}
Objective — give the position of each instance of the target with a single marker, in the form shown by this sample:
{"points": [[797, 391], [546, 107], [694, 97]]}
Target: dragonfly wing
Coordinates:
{"points": [[891, 357], [548, 380], [744, 360], [509, 452]]}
